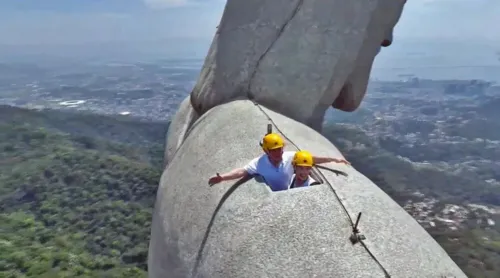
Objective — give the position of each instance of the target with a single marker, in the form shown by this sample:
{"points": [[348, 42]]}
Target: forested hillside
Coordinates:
{"points": [[77, 192], [73, 205]]}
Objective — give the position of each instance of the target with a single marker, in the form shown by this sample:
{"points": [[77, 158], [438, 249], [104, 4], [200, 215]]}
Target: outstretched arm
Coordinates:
{"points": [[234, 174], [324, 159], [249, 169]]}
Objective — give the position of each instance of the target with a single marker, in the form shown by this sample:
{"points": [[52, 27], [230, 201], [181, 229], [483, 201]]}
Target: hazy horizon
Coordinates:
{"points": [[62, 22], [450, 34]]}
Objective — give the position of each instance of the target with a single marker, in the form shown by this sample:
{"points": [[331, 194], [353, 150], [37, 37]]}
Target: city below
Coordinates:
{"points": [[434, 143]]}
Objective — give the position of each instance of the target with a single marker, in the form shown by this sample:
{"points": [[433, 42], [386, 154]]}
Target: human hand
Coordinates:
{"points": [[342, 161], [215, 179]]}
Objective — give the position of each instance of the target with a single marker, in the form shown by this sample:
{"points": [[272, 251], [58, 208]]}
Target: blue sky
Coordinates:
{"points": [[49, 22], [82, 21], [454, 19]]}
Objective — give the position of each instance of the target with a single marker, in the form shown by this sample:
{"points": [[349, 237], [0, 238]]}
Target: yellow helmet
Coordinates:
{"points": [[303, 158], [272, 141]]}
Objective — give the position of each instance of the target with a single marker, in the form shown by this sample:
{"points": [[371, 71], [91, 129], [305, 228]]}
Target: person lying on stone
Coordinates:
{"points": [[302, 165], [275, 165]]}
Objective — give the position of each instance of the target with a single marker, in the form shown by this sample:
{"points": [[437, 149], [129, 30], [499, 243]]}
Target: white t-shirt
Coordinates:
{"points": [[278, 178], [306, 183]]}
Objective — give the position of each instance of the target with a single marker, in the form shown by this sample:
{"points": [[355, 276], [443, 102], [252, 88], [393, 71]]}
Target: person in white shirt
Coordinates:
{"points": [[275, 165], [302, 162]]}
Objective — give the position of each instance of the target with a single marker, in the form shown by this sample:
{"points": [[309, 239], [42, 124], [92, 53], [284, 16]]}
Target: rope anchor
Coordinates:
{"points": [[269, 128], [269, 131], [356, 236]]}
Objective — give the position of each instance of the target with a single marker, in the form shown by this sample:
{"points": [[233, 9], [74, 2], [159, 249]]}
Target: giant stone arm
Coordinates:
{"points": [[295, 56], [293, 59]]}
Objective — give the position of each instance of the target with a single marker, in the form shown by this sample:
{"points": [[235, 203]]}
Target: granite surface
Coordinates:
{"points": [[245, 230]]}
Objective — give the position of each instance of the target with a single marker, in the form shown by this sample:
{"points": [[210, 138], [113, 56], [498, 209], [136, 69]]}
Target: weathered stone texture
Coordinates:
{"points": [[179, 127], [259, 233], [295, 56]]}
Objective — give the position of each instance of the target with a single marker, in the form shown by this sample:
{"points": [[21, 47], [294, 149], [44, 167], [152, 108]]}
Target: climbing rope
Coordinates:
{"points": [[355, 237]]}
